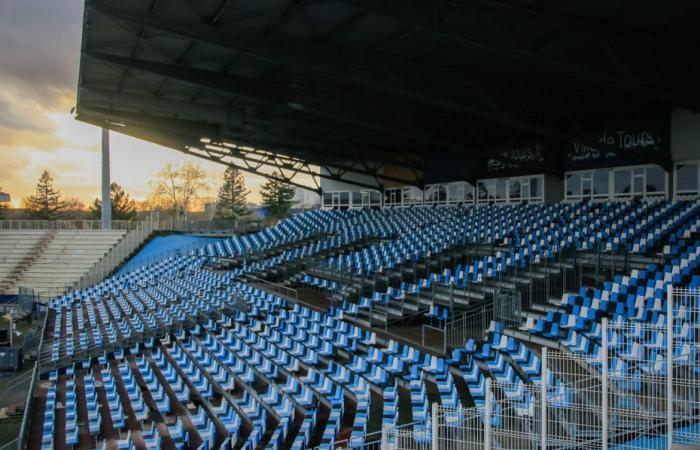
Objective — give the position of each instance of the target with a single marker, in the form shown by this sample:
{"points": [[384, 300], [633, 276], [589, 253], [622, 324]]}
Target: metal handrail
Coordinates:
{"points": [[64, 224], [281, 287]]}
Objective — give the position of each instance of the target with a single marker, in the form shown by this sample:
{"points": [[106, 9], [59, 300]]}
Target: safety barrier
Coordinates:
{"points": [[639, 388]]}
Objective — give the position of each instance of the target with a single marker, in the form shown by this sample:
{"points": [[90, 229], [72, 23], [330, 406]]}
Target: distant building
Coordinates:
{"points": [[4, 197], [305, 199]]}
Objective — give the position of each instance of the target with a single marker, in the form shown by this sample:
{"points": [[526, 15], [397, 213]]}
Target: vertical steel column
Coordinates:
{"points": [[543, 400], [434, 427], [487, 424], [669, 366], [604, 387], [106, 183]]}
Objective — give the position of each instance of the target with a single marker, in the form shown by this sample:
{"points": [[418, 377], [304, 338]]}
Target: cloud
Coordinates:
{"points": [[38, 66], [39, 42], [39, 62]]}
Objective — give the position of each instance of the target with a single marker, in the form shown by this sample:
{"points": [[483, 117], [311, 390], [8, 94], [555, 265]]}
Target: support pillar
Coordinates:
{"points": [[604, 385], [106, 183], [669, 367], [434, 427], [488, 412], [543, 400]]}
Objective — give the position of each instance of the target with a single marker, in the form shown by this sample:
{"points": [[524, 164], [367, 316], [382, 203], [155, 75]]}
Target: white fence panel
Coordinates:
{"points": [[636, 387], [685, 329], [460, 428]]}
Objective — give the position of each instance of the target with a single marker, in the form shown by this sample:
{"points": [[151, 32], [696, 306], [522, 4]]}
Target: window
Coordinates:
{"points": [[356, 198], [392, 197], [327, 199], [601, 184], [344, 199], [687, 178], [573, 185], [638, 182], [655, 180], [469, 196], [587, 184], [500, 190], [375, 198], [459, 192], [483, 189], [515, 190], [436, 194], [411, 195], [623, 182], [536, 187]]}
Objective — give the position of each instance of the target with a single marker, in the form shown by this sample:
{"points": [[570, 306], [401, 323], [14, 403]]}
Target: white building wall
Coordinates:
{"points": [[305, 199]]}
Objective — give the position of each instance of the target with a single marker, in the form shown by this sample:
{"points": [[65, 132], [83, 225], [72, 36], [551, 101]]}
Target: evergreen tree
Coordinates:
{"points": [[231, 202], [46, 203], [123, 207], [277, 197]]}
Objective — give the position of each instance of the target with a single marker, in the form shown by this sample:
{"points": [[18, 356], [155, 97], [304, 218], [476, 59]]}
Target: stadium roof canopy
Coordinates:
{"points": [[354, 85]]}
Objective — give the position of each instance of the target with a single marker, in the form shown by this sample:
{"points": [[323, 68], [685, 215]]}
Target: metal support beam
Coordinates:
{"points": [[223, 153], [263, 91], [420, 13], [106, 183], [263, 146], [251, 162], [225, 116], [222, 119], [570, 23], [229, 160], [322, 61], [174, 140]]}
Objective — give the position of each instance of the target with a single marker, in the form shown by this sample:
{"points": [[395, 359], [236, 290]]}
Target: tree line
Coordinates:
{"points": [[175, 191]]}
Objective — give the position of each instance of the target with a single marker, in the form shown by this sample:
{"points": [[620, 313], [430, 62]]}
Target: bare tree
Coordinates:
{"points": [[177, 187]]}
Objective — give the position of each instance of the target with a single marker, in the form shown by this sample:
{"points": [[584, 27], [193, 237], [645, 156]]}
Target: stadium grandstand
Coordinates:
{"points": [[506, 254]]}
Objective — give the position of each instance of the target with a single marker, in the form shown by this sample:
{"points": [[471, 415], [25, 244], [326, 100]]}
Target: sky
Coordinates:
{"points": [[39, 59]]}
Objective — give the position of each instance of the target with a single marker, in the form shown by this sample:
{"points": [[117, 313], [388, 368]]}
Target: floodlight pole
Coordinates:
{"points": [[106, 199]]}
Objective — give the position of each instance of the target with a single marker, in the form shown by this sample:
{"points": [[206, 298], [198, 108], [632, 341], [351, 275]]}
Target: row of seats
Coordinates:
{"points": [[241, 367]]}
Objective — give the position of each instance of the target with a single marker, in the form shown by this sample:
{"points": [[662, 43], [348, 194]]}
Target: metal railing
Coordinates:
{"points": [[212, 226], [118, 254], [507, 307], [616, 397], [65, 225], [163, 224], [275, 287], [471, 324]]}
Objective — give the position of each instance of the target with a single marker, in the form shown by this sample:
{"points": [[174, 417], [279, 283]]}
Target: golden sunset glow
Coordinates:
{"points": [[38, 79]]}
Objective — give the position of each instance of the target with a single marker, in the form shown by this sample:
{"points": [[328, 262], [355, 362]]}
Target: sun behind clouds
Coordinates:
{"points": [[38, 79]]}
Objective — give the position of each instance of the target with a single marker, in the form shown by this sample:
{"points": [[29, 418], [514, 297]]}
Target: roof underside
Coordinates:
{"points": [[354, 84]]}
